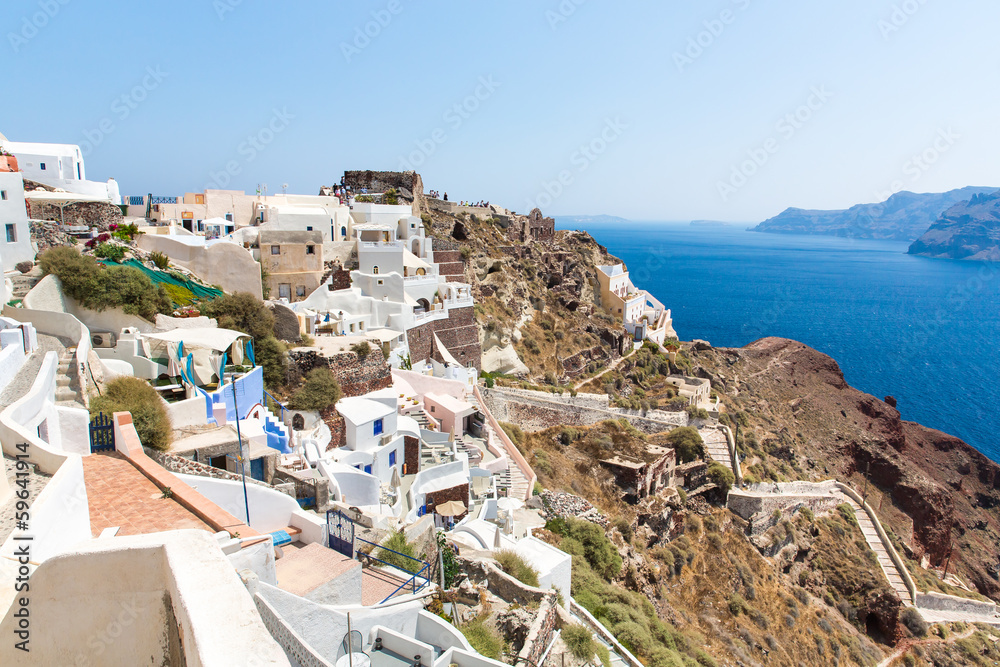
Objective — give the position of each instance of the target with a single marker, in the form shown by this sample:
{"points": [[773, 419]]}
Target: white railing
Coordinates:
{"points": [[394, 245]]}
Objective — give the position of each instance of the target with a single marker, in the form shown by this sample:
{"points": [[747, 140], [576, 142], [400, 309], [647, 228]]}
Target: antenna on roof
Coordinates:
{"points": [[284, 188]]}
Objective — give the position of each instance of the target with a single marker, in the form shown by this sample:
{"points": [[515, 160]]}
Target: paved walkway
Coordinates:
{"points": [[716, 446], [36, 482], [617, 362], [889, 568], [121, 496], [25, 377]]}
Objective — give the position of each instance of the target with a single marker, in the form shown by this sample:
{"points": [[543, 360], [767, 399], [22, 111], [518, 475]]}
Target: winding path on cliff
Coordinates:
{"points": [[907, 644], [614, 364], [961, 609]]}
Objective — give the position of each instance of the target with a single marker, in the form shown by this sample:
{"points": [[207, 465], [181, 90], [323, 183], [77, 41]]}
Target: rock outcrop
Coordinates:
{"points": [[969, 230]]}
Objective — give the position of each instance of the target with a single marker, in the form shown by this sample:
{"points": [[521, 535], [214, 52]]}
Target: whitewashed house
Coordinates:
{"points": [[642, 314]]}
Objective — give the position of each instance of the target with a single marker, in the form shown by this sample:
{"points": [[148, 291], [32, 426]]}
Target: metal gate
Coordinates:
{"points": [[102, 433], [341, 531]]}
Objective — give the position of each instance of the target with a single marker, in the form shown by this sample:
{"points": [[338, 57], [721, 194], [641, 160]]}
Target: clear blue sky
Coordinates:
{"points": [[890, 87]]}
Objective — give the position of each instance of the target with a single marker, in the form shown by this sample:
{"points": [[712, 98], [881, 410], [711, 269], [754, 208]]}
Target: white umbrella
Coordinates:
{"points": [[395, 482], [508, 504]]}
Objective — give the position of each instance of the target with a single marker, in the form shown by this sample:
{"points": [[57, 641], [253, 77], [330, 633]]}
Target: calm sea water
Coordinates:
{"points": [[926, 331]]}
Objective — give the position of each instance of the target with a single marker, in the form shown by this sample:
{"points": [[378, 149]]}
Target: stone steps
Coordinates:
{"points": [[880, 550]]}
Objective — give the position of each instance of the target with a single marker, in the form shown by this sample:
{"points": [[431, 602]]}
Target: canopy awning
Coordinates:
{"points": [[206, 338], [411, 261]]}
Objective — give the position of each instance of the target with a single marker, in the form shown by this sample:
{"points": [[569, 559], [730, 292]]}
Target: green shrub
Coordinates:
{"points": [[624, 527], [600, 553], [112, 251], [515, 434], [737, 605], [100, 287], [319, 391], [515, 566], [362, 349], [397, 542], [687, 443], [721, 476], [390, 197], [159, 260], [126, 232], [697, 413], [537, 489], [149, 413], [484, 639], [913, 621], [580, 641]]}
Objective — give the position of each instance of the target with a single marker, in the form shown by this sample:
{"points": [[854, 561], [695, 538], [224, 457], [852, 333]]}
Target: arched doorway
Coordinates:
{"points": [[423, 304], [298, 422]]}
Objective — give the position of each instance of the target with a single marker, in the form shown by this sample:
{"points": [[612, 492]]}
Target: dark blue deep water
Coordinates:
{"points": [[926, 331]]}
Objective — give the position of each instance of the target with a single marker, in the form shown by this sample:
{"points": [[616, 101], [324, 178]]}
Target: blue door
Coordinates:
{"points": [[368, 469], [257, 469]]}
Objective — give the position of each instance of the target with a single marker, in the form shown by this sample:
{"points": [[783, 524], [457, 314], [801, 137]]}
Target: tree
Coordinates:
{"points": [[244, 312], [721, 476], [687, 443], [149, 412], [318, 392]]}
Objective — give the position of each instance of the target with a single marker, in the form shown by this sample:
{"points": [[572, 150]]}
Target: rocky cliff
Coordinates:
{"points": [[537, 302], [902, 217], [801, 420], [968, 230]]}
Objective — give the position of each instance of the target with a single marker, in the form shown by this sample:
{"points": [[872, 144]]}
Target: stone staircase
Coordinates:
{"points": [[67, 384], [22, 284], [716, 446], [511, 479], [881, 552]]}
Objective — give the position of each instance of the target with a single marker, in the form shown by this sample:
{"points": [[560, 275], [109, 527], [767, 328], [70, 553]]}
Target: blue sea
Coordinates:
{"points": [[926, 331]]}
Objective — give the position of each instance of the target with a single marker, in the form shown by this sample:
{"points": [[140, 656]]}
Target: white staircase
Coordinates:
{"points": [[875, 543]]}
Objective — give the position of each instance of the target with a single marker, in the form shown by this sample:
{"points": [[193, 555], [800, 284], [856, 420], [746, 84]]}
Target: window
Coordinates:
{"points": [[368, 469], [309, 229], [229, 217], [380, 282], [375, 270], [310, 250], [300, 290], [392, 457], [343, 232], [276, 250], [42, 165], [3, 195], [379, 425], [11, 233], [432, 408]]}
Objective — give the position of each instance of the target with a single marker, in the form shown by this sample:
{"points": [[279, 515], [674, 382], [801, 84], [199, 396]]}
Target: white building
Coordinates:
{"points": [[641, 313], [59, 166], [15, 241]]}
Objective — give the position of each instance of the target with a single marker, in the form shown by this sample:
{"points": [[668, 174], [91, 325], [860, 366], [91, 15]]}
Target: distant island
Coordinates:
{"points": [[590, 219], [969, 230], [905, 216]]}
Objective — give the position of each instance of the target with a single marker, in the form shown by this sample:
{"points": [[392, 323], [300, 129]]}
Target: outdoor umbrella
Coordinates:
{"points": [[395, 482], [508, 504], [496, 539], [451, 508]]}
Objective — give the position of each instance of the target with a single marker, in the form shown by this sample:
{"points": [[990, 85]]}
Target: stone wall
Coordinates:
{"points": [[380, 181], [286, 322], [459, 333], [503, 585], [411, 455], [91, 214], [548, 410], [759, 509], [337, 278], [533, 227], [540, 634], [450, 263], [356, 377], [306, 486], [179, 464], [47, 234], [338, 429]]}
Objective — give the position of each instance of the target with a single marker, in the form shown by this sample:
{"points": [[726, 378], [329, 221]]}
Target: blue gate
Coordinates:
{"points": [[257, 469], [341, 531], [102, 433]]}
